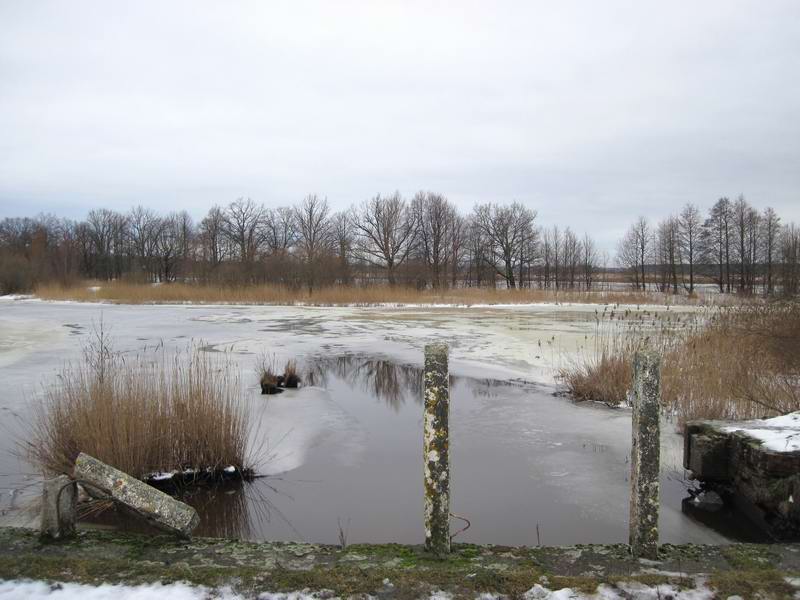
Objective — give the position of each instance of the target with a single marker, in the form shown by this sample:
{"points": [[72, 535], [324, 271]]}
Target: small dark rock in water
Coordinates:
{"points": [[270, 388], [291, 381], [708, 500]]}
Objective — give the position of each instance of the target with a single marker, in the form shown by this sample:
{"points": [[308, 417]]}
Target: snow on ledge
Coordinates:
{"points": [[779, 434]]}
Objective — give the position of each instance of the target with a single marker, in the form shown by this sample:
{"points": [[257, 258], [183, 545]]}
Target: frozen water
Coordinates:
{"points": [[347, 447]]}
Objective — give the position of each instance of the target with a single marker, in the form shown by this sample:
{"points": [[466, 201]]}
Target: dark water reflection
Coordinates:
{"points": [[233, 509], [393, 383], [526, 466], [350, 451]]}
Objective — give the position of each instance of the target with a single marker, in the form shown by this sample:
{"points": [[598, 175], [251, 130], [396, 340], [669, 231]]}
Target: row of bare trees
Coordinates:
{"points": [[735, 246], [424, 242]]}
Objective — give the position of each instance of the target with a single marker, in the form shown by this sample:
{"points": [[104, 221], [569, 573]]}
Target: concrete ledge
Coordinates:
{"points": [[96, 556], [764, 482]]}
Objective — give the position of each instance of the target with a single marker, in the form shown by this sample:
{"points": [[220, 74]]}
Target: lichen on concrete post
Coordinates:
{"points": [[58, 515], [436, 450], [645, 455]]}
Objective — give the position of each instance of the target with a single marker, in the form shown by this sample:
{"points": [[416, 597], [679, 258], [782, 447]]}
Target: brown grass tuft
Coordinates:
{"points": [[266, 371], [143, 414], [291, 378], [605, 379]]}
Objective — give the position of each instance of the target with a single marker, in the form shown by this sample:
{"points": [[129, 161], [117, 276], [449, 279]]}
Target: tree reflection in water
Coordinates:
{"points": [[389, 381], [392, 382]]}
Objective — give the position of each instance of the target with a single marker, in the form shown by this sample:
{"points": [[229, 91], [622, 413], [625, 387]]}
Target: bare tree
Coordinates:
{"points": [[385, 232], [643, 238], [144, 227], [668, 253], [690, 230], [740, 214], [107, 231], [342, 231], [770, 225], [589, 259], [280, 239], [212, 236], [314, 240], [507, 229], [244, 228], [459, 231], [434, 218], [480, 260], [280, 229], [635, 250], [717, 235], [571, 257], [169, 245], [790, 260]]}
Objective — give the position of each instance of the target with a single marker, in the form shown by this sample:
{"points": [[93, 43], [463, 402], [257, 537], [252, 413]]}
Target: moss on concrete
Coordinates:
{"points": [[385, 570]]}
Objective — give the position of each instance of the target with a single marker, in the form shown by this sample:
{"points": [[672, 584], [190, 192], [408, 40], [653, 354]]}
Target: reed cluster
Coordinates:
{"points": [[144, 414], [727, 363]]}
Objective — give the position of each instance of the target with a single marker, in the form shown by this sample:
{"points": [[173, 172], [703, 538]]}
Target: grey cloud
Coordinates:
{"points": [[590, 112]]}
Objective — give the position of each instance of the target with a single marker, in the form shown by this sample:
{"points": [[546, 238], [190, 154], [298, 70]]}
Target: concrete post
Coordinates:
{"points": [[59, 499], [436, 450], [645, 455], [151, 504]]}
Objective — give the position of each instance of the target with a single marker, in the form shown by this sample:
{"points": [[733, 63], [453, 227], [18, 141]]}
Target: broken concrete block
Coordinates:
{"points": [[705, 452], [59, 499], [158, 508]]}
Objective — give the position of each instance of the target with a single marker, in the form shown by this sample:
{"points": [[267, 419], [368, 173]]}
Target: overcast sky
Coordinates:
{"points": [[590, 112]]}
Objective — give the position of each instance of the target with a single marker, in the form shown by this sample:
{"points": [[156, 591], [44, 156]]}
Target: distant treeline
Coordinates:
{"points": [[739, 248], [422, 242]]}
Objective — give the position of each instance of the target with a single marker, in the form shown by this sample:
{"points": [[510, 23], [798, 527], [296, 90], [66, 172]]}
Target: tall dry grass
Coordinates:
{"points": [[144, 414], [731, 363], [177, 293]]}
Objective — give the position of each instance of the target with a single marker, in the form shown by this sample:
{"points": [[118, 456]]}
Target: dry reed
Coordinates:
{"points": [[266, 369], [146, 414], [178, 293], [732, 363], [291, 377]]}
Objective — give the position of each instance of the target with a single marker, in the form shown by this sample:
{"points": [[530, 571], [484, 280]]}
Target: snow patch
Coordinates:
{"points": [[622, 591], [779, 434], [36, 590], [12, 297]]}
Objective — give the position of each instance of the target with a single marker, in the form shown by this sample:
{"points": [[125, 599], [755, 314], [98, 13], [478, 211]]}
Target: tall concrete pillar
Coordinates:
{"points": [[436, 450], [645, 455]]}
